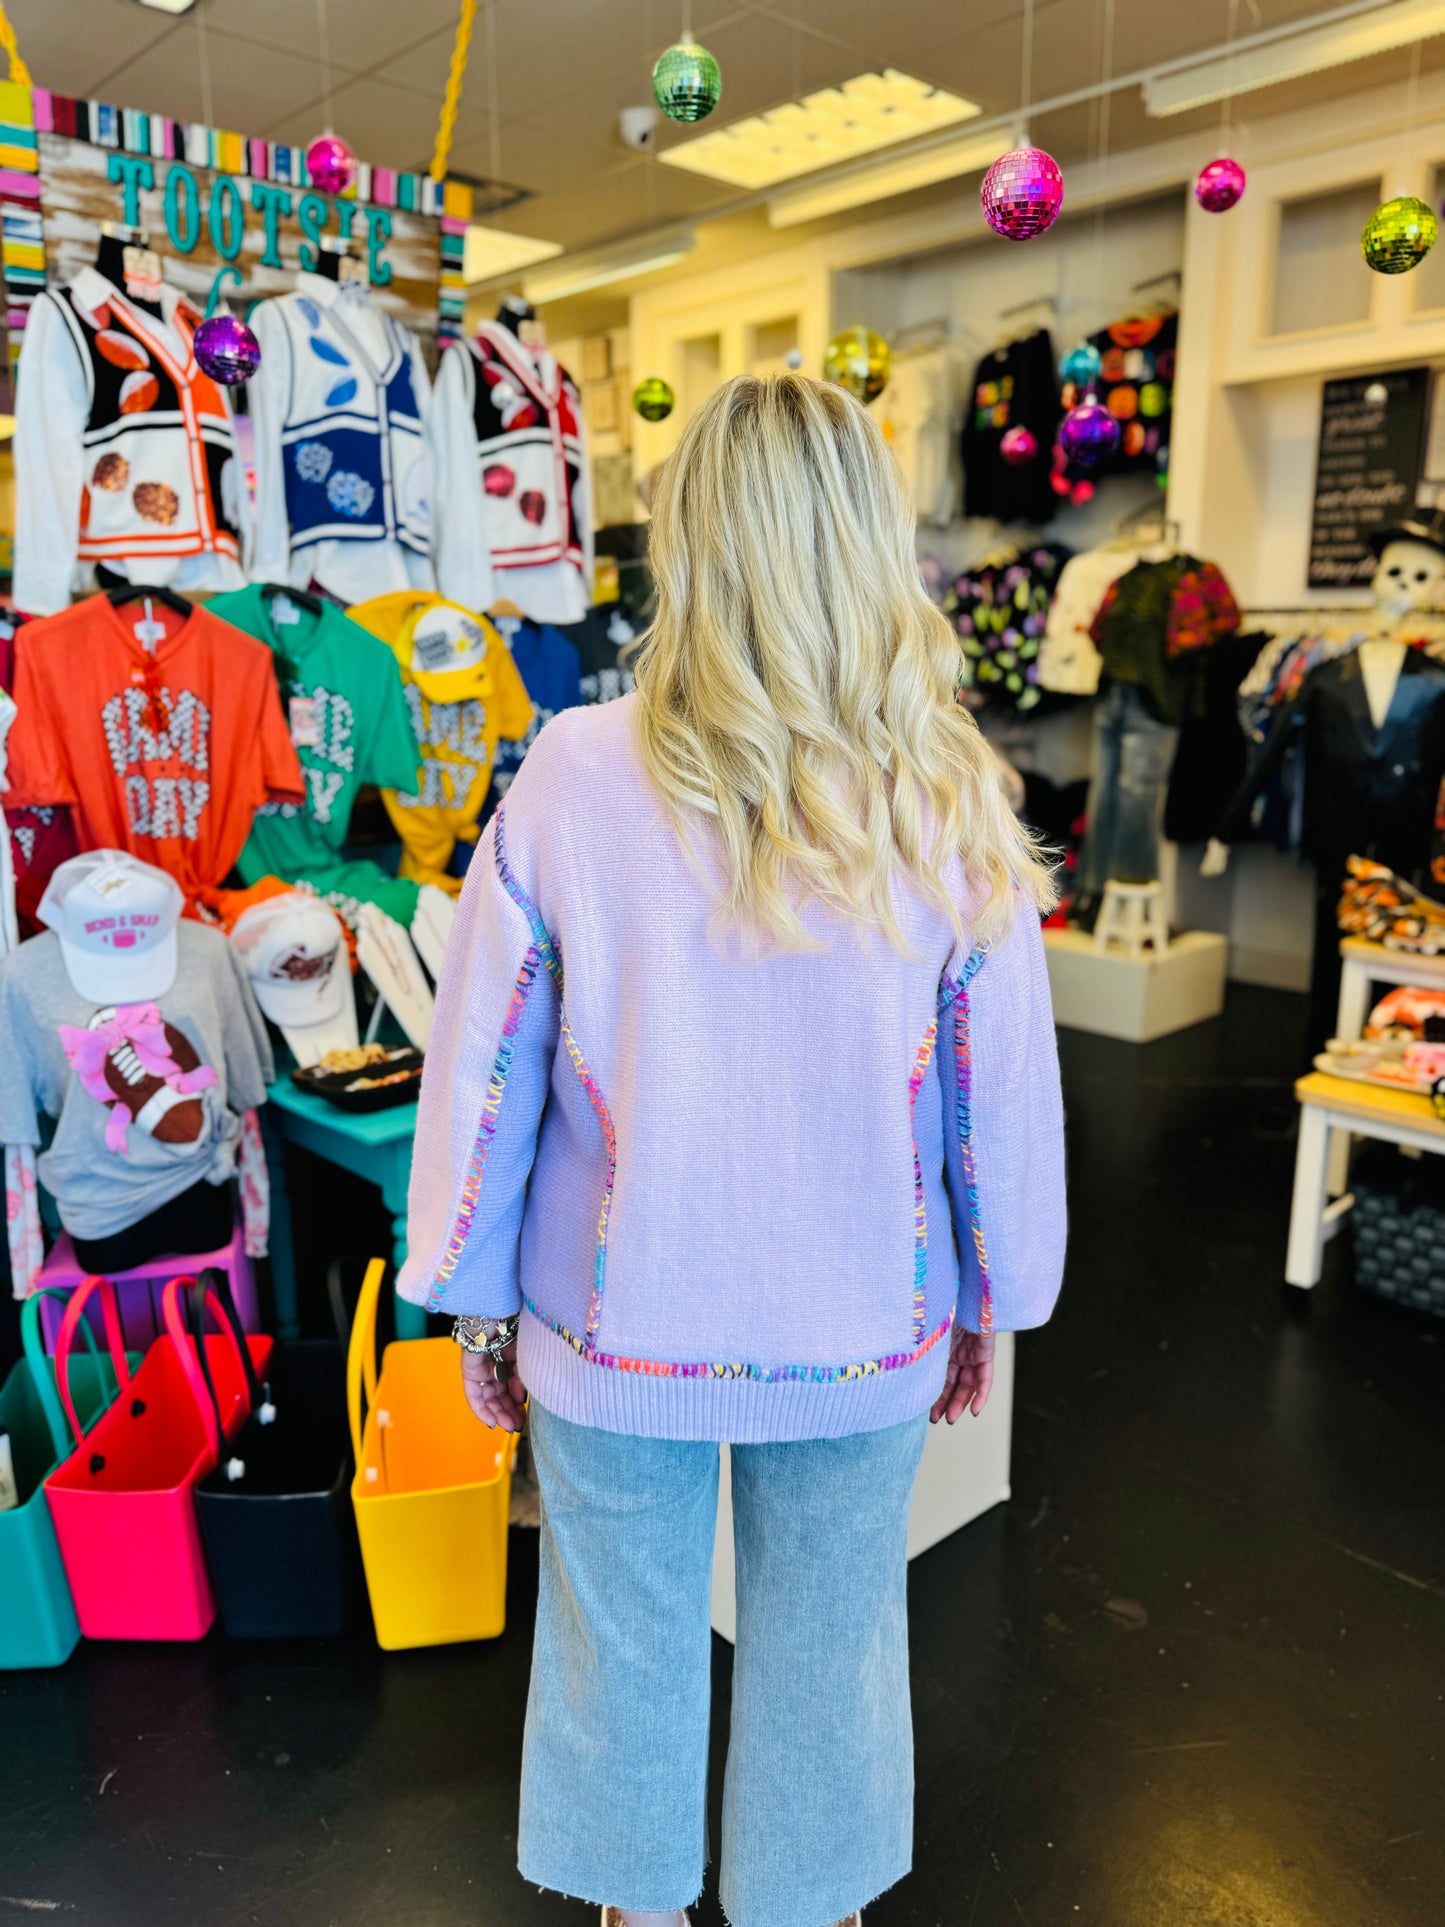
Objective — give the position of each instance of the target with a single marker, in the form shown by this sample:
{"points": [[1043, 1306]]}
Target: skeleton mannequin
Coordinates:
{"points": [[1408, 585]]}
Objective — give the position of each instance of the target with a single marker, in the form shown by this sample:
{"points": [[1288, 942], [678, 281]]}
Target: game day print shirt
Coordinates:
{"points": [[162, 732]]}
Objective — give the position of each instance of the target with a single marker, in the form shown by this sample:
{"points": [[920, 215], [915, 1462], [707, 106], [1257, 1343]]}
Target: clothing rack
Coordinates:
{"points": [[1170, 276]]}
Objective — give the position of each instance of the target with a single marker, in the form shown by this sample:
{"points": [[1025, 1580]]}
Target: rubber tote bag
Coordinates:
{"points": [[124, 1502], [275, 1512], [38, 1626], [431, 1491]]}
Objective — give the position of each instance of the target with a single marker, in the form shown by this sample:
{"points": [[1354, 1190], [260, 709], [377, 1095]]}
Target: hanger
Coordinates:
{"points": [[134, 591], [1028, 317], [506, 607], [303, 598]]}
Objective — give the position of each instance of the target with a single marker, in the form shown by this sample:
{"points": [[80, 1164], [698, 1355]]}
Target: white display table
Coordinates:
{"points": [[1135, 998], [964, 1472]]}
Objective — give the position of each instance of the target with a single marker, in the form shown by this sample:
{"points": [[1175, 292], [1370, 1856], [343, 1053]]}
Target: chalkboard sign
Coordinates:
{"points": [[1372, 428]]}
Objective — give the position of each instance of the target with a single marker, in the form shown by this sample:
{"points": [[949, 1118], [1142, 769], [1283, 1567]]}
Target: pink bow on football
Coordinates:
{"points": [[143, 1028]]}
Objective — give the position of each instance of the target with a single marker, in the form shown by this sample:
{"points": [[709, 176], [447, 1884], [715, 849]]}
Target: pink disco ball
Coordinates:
{"points": [[330, 164], [1022, 193], [1088, 434], [1220, 185], [1018, 447], [226, 350]]}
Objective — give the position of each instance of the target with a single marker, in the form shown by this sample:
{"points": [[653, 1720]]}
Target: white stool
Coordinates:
{"points": [[1132, 916]]}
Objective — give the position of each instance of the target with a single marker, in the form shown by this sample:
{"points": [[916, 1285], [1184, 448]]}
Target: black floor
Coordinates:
{"points": [[1192, 1676]]}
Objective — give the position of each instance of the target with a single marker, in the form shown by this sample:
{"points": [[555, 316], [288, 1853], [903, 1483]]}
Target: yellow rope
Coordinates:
{"points": [[455, 78], [19, 72]]}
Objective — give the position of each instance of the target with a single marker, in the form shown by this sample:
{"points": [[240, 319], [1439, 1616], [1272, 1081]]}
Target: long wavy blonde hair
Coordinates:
{"points": [[797, 687]]}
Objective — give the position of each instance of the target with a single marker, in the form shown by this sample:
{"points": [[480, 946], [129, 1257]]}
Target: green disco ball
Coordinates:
{"points": [[1399, 235], [859, 361], [687, 82], [653, 399]]}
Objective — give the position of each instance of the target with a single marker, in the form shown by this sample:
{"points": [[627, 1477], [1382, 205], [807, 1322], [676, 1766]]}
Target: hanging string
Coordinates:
{"points": [[19, 72], [1226, 116], [203, 61], [687, 22], [1412, 94], [456, 74], [323, 55], [1026, 67]]}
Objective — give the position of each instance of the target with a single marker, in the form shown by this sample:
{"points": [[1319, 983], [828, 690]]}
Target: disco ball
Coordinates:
{"points": [[1220, 185], [1081, 366], [226, 350], [1399, 235], [653, 399], [1018, 446], [330, 164], [1088, 434], [1022, 193], [859, 361], [687, 82]]}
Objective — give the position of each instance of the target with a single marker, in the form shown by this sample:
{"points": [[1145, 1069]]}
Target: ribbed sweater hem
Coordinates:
{"points": [[741, 1411]]}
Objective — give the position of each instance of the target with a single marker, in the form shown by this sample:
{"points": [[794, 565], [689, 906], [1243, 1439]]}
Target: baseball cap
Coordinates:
{"points": [[294, 950], [446, 652], [116, 920]]}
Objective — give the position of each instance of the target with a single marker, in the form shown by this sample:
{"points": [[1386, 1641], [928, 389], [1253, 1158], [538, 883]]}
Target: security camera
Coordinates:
{"points": [[638, 127]]}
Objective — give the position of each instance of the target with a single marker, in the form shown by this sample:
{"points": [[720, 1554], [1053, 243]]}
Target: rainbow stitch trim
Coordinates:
{"points": [[963, 1060], [546, 949], [486, 1129], [920, 1215], [609, 1137], [761, 1374]]}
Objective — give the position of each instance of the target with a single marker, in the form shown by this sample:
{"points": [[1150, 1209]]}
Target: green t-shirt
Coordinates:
{"points": [[343, 698]]}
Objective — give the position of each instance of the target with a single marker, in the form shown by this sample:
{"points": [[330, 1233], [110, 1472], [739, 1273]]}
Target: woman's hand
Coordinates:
{"points": [[503, 1404], [969, 1379]]}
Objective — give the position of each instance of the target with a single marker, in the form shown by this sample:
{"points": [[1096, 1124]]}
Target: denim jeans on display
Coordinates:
{"points": [[1133, 755], [818, 1797]]}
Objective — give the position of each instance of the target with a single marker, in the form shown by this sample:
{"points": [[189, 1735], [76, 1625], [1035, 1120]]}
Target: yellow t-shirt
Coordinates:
{"points": [[465, 695]]}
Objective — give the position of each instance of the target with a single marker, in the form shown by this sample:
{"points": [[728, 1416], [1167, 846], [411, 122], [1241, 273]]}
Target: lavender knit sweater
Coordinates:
{"points": [[734, 1200]]}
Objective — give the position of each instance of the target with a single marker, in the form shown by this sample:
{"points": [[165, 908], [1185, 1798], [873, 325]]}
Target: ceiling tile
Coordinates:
{"points": [[364, 35], [388, 126], [248, 90], [73, 49]]}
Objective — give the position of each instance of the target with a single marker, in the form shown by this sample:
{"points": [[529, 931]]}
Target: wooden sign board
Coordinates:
{"points": [[1372, 430], [199, 220]]}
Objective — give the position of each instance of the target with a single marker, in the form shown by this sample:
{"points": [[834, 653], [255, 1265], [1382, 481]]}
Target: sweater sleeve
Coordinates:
{"points": [[488, 1066], [1004, 1132]]}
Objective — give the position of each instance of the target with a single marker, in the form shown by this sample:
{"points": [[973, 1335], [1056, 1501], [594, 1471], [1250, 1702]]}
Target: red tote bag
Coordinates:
{"points": [[123, 1503]]}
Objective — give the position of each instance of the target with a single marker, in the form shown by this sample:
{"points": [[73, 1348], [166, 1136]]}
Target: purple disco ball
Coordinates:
{"points": [[1019, 446], [1088, 434], [330, 164], [1220, 185], [226, 350], [1022, 193]]}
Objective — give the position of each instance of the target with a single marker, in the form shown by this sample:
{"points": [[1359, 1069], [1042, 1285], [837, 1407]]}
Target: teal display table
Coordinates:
{"points": [[375, 1145]]}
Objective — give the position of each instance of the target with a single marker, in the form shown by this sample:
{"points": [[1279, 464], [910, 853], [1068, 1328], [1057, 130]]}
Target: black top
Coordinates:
{"points": [[1367, 792], [1014, 387]]}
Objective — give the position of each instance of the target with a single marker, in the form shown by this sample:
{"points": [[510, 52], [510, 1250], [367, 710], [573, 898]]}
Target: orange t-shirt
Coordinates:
{"points": [[164, 751]]}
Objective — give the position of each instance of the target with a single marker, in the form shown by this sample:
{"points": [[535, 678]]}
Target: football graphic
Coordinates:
{"points": [[533, 504], [144, 1071], [111, 473], [121, 350], [138, 392], [149, 1101], [498, 479], [156, 502]]}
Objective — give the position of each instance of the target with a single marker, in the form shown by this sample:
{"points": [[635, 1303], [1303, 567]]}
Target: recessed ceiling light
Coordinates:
{"points": [[169, 6], [491, 251], [837, 124]]}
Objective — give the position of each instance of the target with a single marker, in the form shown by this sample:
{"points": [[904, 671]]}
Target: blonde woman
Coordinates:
{"points": [[743, 1099]]}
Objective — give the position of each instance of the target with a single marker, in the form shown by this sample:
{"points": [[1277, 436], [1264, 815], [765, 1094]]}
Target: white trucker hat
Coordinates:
{"points": [[116, 920], [294, 950]]}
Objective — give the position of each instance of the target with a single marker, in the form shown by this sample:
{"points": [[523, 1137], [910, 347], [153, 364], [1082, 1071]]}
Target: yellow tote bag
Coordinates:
{"points": [[431, 1491]]}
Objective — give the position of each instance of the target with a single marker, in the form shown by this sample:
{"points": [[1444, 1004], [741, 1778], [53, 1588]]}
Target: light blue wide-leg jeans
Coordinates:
{"points": [[818, 1798]]}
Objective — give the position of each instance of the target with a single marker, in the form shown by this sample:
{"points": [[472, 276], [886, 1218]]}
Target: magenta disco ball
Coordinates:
{"points": [[330, 164], [1088, 434], [1220, 185], [226, 350], [1019, 446], [1022, 193]]}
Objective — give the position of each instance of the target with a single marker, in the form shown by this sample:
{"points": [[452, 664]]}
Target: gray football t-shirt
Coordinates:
{"points": [[147, 1094]]}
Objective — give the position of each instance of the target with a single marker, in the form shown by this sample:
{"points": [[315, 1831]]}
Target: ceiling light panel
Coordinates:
{"points": [[491, 251], [838, 124]]}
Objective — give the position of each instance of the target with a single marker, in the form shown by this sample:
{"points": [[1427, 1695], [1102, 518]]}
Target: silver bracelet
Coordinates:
{"points": [[485, 1337]]}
